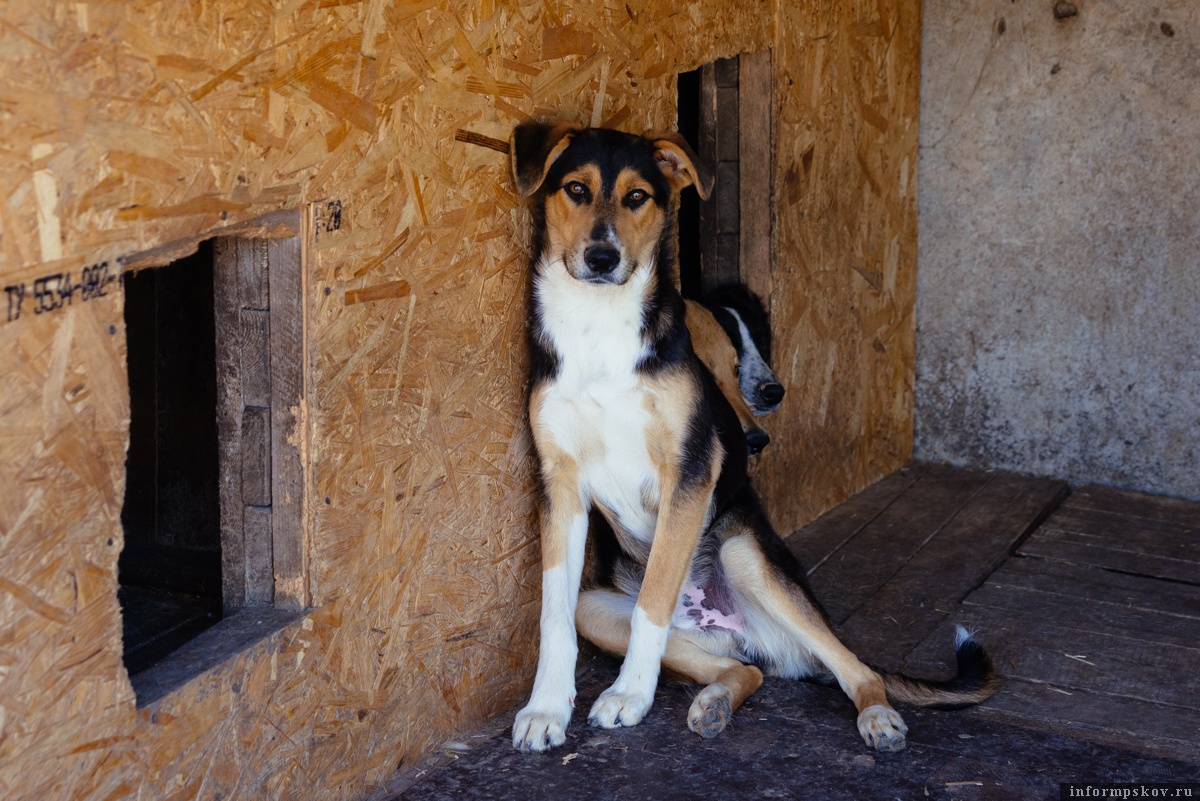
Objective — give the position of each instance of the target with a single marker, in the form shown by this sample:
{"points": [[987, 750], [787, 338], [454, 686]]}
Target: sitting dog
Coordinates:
{"points": [[626, 419]]}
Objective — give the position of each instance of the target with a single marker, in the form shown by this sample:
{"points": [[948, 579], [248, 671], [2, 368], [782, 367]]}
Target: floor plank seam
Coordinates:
{"points": [[1117, 571], [1038, 521], [1053, 506], [941, 527], [858, 529]]}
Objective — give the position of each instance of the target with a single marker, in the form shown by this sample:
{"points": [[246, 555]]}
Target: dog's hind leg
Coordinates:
{"points": [[791, 632], [603, 617]]}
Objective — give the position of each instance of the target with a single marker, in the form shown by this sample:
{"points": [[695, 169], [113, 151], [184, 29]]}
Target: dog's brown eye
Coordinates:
{"points": [[637, 196], [577, 189]]}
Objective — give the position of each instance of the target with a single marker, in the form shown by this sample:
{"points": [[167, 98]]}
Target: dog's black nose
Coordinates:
{"points": [[770, 393], [602, 259], [756, 440]]}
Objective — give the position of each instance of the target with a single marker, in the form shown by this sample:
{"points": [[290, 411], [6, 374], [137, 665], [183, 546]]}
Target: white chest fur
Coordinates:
{"points": [[598, 408]]}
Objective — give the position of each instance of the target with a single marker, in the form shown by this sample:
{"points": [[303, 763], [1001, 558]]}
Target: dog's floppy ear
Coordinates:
{"points": [[534, 146], [679, 163]]}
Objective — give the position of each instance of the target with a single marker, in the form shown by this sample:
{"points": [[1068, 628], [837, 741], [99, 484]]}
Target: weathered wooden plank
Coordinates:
{"points": [[236, 633], [727, 256], [727, 122], [260, 579], [756, 171], [289, 555], [1075, 654], [706, 151], [229, 419], [1072, 546], [1089, 585], [955, 561], [1128, 529], [157, 621], [256, 458], [727, 198], [256, 358], [859, 567], [1137, 544], [727, 72], [282, 223], [1106, 616], [253, 278], [1138, 504], [814, 543], [1123, 722]]}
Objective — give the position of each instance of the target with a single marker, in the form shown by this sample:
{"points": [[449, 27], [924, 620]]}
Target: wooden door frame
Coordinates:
{"points": [[260, 299]]}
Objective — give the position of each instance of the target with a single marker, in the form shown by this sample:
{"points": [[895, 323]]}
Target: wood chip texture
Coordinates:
{"points": [[129, 127]]}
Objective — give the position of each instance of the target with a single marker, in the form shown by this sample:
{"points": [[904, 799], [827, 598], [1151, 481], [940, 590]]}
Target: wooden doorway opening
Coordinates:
{"points": [[214, 512], [725, 113]]}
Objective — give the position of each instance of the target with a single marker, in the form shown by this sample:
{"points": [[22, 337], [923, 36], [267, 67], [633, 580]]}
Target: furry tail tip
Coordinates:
{"points": [[975, 680]]}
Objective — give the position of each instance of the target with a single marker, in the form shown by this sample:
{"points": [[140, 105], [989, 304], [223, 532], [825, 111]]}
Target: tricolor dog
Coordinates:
{"points": [[731, 335], [627, 420]]}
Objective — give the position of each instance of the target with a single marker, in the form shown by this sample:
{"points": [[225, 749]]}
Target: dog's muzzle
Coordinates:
{"points": [[602, 262]]}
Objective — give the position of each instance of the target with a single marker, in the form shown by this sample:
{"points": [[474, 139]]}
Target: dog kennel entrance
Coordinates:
{"points": [[170, 567], [725, 113], [213, 509]]}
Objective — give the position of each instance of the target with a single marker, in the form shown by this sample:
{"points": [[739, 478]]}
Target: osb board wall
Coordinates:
{"points": [[127, 126], [847, 87]]}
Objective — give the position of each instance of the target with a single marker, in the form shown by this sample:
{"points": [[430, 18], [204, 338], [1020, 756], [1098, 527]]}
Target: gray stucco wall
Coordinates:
{"points": [[1058, 299]]}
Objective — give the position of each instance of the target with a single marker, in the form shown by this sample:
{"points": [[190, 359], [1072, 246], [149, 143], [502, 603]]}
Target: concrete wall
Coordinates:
{"points": [[1058, 311]]}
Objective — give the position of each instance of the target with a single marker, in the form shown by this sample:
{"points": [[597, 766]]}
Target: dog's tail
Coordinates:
{"points": [[975, 682]]}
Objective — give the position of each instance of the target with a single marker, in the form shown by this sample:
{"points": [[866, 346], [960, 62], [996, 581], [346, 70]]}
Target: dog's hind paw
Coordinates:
{"points": [[614, 709], [882, 728], [711, 711], [536, 730]]}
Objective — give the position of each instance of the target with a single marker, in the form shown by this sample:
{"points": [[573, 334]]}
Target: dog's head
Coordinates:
{"points": [[718, 352], [744, 318], [606, 199]]}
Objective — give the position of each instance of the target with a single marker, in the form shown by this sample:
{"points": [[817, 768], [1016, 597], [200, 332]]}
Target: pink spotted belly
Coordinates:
{"points": [[701, 608]]}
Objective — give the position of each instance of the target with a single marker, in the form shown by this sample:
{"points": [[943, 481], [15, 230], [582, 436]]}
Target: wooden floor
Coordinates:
{"points": [[1089, 602]]}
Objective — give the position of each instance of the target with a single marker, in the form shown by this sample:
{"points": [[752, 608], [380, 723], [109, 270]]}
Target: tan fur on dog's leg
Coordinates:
{"points": [[603, 617], [758, 584], [626, 702], [543, 722]]}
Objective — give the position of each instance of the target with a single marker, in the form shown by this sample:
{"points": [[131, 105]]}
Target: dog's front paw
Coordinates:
{"points": [[614, 709], [537, 729], [711, 711], [882, 728]]}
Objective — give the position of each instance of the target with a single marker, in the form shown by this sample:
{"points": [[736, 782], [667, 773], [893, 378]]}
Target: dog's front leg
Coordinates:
{"points": [[679, 525], [543, 722]]}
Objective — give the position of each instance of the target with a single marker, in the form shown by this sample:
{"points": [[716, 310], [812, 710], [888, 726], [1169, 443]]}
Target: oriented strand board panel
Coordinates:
{"points": [[843, 282], [130, 126]]}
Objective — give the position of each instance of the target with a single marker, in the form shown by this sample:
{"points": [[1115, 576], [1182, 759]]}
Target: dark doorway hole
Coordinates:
{"points": [[170, 568], [688, 85]]}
